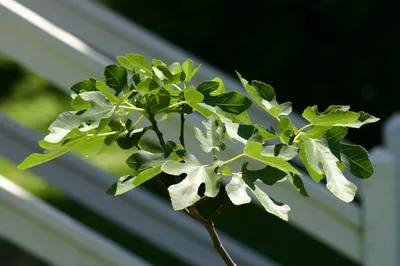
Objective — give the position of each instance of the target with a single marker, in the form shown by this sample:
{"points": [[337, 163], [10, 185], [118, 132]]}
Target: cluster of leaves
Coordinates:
{"points": [[103, 110]]}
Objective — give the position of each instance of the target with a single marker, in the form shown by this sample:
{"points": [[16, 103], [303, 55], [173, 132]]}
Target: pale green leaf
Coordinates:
{"points": [[254, 149], [103, 88], [100, 109], [316, 152], [236, 190], [214, 139], [184, 194], [139, 62], [36, 158], [331, 117]]}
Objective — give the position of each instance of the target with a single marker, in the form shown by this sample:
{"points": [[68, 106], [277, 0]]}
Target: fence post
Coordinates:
{"points": [[380, 218], [391, 140]]}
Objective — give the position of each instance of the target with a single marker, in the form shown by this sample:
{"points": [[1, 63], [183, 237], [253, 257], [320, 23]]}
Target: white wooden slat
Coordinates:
{"points": [[380, 212], [128, 36], [53, 236]]}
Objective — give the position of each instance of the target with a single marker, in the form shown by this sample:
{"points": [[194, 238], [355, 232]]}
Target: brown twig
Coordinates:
{"points": [[219, 210], [209, 225], [158, 132], [182, 135]]}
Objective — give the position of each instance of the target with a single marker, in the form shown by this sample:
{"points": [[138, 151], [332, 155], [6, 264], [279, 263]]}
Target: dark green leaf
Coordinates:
{"points": [[268, 175], [116, 78], [296, 181], [131, 138], [356, 159], [85, 85]]}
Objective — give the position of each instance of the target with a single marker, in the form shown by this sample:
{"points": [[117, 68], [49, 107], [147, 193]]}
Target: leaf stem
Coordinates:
{"points": [[176, 86], [232, 159], [133, 108], [104, 134], [301, 129], [176, 104], [138, 121]]}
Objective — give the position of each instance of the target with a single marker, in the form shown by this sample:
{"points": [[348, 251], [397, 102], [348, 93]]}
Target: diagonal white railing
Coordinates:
{"points": [[67, 49], [53, 236]]}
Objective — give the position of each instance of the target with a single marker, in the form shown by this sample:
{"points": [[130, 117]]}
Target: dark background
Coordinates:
{"points": [[313, 52]]}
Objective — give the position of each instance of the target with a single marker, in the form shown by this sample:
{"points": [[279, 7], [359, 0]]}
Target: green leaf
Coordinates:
{"points": [[284, 151], [116, 78], [254, 149], [236, 190], [231, 102], [268, 175], [296, 181], [264, 96], [103, 88], [79, 104], [143, 160], [140, 62], [286, 130], [123, 185], [85, 85], [131, 138], [316, 151], [356, 159], [158, 102], [37, 158], [187, 68], [147, 86], [247, 131], [221, 87], [194, 98], [333, 116], [316, 132], [363, 119], [184, 194], [214, 139], [100, 108]]}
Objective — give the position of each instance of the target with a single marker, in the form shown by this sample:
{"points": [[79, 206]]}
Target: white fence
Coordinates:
{"points": [[66, 50], [52, 236]]}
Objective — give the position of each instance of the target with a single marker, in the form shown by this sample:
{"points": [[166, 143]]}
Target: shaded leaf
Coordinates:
{"points": [[356, 159], [131, 138], [268, 175], [116, 78], [296, 181], [286, 130], [85, 85]]}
